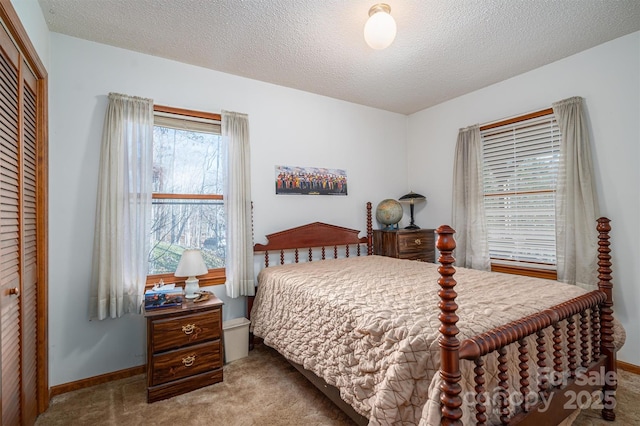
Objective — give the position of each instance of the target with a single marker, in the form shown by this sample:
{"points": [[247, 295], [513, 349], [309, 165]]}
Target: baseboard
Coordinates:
{"points": [[631, 368], [141, 369], [96, 380]]}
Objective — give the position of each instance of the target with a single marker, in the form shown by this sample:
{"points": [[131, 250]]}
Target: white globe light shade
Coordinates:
{"points": [[380, 30]]}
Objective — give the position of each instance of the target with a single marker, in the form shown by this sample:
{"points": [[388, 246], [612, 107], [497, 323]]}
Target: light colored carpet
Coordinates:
{"points": [[262, 389]]}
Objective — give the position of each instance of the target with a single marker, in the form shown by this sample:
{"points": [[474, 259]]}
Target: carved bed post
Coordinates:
{"points": [[369, 230], [606, 319], [449, 343]]}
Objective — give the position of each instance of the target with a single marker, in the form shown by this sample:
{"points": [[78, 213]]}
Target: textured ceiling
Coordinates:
{"points": [[443, 48]]}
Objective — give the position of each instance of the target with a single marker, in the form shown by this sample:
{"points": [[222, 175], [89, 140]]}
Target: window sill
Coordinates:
{"points": [[214, 277], [549, 274]]}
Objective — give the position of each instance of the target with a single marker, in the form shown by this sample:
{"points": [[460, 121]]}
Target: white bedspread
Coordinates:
{"points": [[369, 325]]}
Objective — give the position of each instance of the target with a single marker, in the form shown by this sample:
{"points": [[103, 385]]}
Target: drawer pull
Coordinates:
{"points": [[188, 329], [417, 241], [188, 361]]}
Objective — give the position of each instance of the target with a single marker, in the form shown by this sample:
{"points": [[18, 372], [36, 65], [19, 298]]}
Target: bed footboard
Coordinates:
{"points": [[582, 359]]}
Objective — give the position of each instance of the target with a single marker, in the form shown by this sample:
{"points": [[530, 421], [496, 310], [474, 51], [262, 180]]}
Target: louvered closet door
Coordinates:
{"points": [[10, 235], [18, 271], [28, 223]]}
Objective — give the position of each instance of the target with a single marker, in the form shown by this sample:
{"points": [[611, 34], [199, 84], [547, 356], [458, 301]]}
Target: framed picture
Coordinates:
{"points": [[310, 181]]}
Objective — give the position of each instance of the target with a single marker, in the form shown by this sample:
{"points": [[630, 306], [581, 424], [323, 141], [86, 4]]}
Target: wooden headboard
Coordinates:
{"points": [[307, 237], [316, 235]]}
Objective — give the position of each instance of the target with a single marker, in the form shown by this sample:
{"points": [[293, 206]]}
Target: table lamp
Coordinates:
{"points": [[190, 265], [412, 197]]}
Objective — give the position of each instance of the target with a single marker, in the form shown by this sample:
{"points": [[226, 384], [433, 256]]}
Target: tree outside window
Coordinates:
{"points": [[188, 209]]}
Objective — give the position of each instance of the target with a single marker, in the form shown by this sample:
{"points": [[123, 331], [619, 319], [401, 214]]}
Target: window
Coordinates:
{"points": [[520, 168], [187, 201]]}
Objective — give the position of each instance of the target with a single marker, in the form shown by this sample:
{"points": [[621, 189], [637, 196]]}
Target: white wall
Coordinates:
{"points": [[34, 24], [296, 128], [288, 127], [608, 77]]}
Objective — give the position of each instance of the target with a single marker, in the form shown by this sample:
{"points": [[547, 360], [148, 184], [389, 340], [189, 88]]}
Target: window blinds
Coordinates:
{"points": [[190, 124], [520, 174]]}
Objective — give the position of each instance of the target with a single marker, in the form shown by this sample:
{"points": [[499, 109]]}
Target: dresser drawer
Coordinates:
{"points": [[185, 362], [412, 244], [185, 330], [415, 242], [422, 257]]}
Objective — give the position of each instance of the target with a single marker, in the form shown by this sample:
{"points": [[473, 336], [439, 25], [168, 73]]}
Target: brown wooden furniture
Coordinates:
{"points": [[412, 244], [595, 327], [320, 236], [317, 235], [588, 341], [184, 348], [23, 226]]}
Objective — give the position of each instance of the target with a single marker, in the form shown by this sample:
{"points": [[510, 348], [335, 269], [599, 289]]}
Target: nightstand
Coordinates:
{"points": [[184, 348], [413, 244]]}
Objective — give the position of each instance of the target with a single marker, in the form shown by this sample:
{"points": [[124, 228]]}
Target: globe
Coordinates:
{"points": [[389, 212]]}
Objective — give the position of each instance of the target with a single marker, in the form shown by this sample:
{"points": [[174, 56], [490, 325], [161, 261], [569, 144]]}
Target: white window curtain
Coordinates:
{"points": [[472, 250], [123, 211], [237, 202], [576, 198]]}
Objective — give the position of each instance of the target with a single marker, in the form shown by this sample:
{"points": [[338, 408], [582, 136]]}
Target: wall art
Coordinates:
{"points": [[310, 181]]}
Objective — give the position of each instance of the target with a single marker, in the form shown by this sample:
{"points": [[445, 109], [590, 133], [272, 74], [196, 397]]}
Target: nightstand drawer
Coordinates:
{"points": [[185, 330], [186, 362], [416, 242]]}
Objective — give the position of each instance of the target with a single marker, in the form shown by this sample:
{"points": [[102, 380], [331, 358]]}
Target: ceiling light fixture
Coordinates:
{"points": [[380, 29]]}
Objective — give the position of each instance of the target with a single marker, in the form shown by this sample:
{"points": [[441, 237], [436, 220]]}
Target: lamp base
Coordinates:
{"points": [[412, 227], [191, 287]]}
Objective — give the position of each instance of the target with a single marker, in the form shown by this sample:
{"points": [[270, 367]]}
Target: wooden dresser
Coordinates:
{"points": [[184, 348], [413, 244]]}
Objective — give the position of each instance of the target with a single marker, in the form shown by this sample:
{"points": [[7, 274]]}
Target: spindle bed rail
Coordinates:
{"points": [[597, 368]]}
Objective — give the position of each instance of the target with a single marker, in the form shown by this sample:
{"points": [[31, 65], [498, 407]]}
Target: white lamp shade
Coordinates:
{"points": [[191, 264], [380, 29]]}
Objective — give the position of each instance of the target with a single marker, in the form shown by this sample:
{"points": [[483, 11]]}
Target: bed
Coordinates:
{"points": [[388, 347]]}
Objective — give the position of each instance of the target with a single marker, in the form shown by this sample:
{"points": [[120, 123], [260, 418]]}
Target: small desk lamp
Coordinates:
{"points": [[190, 265], [412, 197]]}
